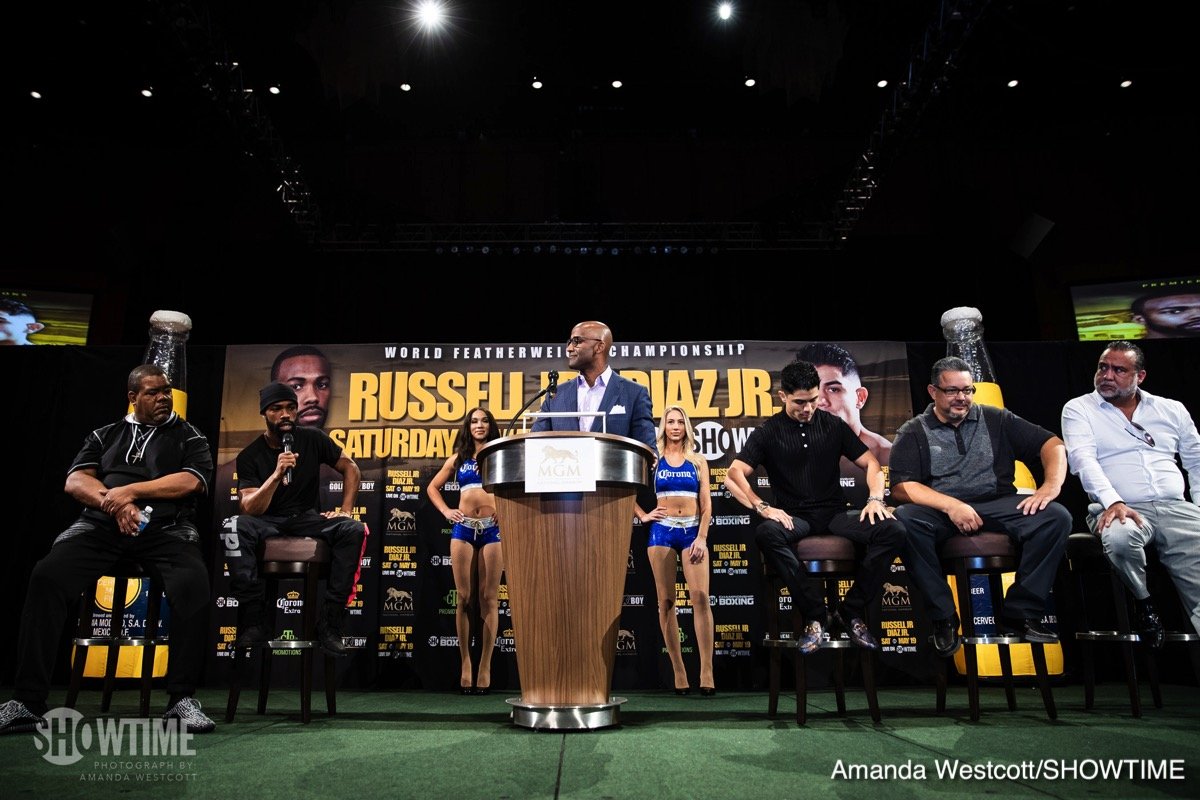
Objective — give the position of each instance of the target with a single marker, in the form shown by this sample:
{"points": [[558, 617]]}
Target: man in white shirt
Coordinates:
{"points": [[1122, 442]]}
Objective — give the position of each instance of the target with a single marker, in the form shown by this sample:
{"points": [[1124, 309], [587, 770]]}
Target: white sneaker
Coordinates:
{"points": [[15, 717], [188, 712]]}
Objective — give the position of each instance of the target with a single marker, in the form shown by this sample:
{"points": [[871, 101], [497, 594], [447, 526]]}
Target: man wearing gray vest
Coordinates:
{"points": [[952, 466]]}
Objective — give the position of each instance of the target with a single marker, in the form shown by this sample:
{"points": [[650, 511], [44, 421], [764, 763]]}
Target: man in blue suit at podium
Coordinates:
{"points": [[598, 388]]}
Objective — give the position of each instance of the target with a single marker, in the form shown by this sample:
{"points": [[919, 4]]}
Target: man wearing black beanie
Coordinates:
{"points": [[278, 478]]}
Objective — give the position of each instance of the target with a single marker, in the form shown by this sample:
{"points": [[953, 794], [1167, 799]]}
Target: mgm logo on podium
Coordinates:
{"points": [[560, 465]]}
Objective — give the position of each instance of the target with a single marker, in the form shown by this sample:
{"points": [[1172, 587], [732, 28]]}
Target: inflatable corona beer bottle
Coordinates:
{"points": [[167, 350], [963, 329]]}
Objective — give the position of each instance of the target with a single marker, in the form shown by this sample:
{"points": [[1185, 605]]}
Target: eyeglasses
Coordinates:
{"points": [[1142, 434], [575, 341], [955, 391]]}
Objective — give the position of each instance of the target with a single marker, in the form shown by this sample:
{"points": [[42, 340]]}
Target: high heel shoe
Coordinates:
{"points": [[708, 691], [683, 691]]}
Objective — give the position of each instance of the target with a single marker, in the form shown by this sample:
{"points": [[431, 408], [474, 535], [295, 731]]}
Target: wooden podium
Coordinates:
{"points": [[566, 554]]}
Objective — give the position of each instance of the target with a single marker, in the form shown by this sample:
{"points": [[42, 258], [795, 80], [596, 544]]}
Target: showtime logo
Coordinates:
{"points": [[713, 440]]}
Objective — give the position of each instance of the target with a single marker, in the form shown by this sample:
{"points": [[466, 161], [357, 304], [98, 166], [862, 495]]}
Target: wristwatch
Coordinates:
{"points": [[762, 506]]}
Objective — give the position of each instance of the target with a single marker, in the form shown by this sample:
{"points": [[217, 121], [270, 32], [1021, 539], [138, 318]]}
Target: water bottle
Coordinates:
{"points": [[144, 518], [167, 349], [963, 329]]}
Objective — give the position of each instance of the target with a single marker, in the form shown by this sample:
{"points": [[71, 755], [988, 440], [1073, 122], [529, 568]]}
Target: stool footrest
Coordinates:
{"points": [[1001, 639], [131, 641], [1107, 636]]}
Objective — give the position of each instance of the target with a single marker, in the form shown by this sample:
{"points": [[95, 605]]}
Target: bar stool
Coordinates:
{"points": [[122, 573], [1085, 553], [283, 557], [990, 554], [828, 558]]}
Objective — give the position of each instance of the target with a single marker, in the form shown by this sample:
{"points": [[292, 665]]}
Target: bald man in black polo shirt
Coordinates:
{"points": [[801, 448]]}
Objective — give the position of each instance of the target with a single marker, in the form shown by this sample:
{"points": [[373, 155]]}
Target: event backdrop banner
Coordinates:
{"points": [[397, 409]]}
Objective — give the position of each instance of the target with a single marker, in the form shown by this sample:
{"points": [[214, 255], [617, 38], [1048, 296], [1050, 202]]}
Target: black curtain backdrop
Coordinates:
{"points": [[56, 395]]}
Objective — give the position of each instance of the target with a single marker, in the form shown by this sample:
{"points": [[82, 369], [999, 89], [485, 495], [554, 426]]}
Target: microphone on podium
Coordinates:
{"points": [[288, 441], [551, 389]]}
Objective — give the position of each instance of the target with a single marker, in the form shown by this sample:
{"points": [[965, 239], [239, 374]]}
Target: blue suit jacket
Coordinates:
{"points": [[636, 423]]}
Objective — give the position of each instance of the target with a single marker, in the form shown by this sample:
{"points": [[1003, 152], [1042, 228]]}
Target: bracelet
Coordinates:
{"points": [[874, 499], [761, 506]]}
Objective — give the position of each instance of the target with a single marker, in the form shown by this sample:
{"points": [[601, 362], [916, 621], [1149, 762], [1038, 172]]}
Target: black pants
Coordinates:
{"points": [[1041, 538], [80, 555], [242, 534], [883, 541]]}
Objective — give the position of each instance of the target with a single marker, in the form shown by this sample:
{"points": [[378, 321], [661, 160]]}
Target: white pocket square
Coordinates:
{"points": [[617, 410]]}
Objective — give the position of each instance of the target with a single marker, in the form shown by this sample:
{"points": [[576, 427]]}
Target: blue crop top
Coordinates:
{"points": [[681, 481], [468, 475]]}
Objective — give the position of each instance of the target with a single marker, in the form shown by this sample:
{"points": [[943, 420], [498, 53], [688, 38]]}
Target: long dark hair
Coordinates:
{"points": [[466, 444]]}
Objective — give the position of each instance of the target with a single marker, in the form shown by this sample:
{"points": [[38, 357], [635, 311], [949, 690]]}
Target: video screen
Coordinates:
{"points": [[1161, 308], [31, 316]]}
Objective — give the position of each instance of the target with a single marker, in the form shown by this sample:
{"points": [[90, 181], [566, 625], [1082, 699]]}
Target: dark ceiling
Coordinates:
{"points": [[1068, 176]]}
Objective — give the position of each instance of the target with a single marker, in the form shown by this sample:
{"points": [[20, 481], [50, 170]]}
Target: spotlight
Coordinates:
{"points": [[1125, 84], [439, 250], [653, 250], [148, 91], [537, 249], [553, 249], [486, 250], [470, 249], [881, 84], [35, 94], [616, 251], [617, 84], [537, 84], [273, 90], [583, 251], [725, 10], [1013, 83], [750, 81], [430, 14], [454, 249], [683, 251], [566, 251], [667, 250], [516, 251], [406, 87]]}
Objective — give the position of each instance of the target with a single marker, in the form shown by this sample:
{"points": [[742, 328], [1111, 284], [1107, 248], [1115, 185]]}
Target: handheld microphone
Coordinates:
{"points": [[552, 386], [288, 440]]}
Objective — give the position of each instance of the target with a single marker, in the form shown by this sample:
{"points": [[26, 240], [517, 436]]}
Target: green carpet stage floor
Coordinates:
{"points": [[438, 745]]}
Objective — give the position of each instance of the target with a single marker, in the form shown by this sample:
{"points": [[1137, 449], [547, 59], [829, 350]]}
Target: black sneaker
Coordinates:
{"points": [[1030, 630], [855, 628], [1150, 627], [252, 635], [15, 717], [329, 630], [945, 639], [190, 717]]}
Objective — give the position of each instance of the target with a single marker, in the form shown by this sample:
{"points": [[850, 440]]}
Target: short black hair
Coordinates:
{"points": [[1138, 306], [295, 352], [1124, 345], [948, 364], [798, 376], [10, 305], [828, 354], [138, 374]]}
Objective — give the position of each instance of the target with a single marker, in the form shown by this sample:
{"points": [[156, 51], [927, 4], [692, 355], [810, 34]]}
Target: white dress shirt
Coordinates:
{"points": [[1114, 461], [587, 398]]}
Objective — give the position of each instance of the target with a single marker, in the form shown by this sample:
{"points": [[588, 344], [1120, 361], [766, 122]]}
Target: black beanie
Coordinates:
{"points": [[274, 393]]}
